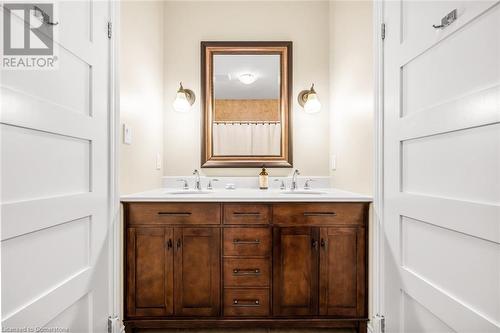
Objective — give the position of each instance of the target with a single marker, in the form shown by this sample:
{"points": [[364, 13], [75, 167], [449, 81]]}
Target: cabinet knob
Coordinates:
{"points": [[169, 244]]}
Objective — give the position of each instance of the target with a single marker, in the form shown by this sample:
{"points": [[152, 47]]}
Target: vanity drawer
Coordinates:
{"points": [[247, 241], [173, 213], [320, 213], [246, 302], [246, 214], [243, 272]]}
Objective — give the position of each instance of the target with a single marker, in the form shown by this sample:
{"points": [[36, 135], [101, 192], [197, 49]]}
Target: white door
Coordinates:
{"points": [[54, 174], [442, 167]]}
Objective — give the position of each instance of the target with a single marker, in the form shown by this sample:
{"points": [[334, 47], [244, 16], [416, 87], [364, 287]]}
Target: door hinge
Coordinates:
{"points": [[382, 323], [113, 324], [382, 31], [378, 323], [110, 29]]}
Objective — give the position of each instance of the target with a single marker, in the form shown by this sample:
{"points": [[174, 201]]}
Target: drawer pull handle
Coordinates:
{"points": [[246, 213], [251, 271], [320, 214], [169, 244], [242, 241], [246, 302], [174, 213]]}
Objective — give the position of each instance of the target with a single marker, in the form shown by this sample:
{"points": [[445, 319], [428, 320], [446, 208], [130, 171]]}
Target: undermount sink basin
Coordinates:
{"points": [[189, 192], [302, 192]]}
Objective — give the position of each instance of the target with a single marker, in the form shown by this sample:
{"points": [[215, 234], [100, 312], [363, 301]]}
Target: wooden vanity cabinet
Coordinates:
{"points": [[295, 271], [238, 265], [319, 271], [197, 271], [149, 272], [152, 280], [342, 271]]}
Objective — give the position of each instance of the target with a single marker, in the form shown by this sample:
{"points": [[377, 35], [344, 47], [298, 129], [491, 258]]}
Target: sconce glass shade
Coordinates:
{"points": [[183, 100], [309, 100], [312, 105], [181, 104]]}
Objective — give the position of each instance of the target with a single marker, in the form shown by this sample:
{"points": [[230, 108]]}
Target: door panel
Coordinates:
{"points": [[295, 271], [441, 167], [197, 271], [342, 272], [434, 76], [441, 153], [55, 176], [150, 272]]}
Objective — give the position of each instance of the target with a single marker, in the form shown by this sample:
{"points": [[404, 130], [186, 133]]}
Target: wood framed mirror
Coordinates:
{"points": [[246, 92]]}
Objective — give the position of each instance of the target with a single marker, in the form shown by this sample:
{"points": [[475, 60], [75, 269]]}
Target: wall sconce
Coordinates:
{"points": [[308, 99], [184, 99]]}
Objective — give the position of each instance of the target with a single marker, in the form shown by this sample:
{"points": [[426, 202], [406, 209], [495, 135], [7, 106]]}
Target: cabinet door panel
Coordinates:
{"points": [[342, 271], [197, 271], [295, 271], [150, 272]]}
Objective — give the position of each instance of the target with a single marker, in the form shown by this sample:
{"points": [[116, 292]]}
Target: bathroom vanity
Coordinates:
{"points": [[247, 260]]}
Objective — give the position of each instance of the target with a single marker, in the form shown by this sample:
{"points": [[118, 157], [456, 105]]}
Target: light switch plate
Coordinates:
{"points": [[127, 134]]}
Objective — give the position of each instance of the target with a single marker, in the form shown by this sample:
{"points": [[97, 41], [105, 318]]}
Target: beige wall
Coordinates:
{"points": [[189, 22], [141, 93], [332, 47], [351, 94]]}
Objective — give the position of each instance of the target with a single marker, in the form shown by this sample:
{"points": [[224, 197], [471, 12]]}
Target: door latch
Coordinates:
{"points": [[447, 20]]}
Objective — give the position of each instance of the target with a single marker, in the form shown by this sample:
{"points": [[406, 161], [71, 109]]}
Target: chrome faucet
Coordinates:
{"points": [[294, 179], [197, 183]]}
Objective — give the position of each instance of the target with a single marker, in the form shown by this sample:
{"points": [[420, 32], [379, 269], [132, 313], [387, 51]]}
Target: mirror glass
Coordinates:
{"points": [[246, 105], [246, 97]]}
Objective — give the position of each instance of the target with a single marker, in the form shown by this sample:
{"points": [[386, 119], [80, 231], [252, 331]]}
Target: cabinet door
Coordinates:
{"points": [[295, 271], [197, 271], [149, 272], [342, 272]]}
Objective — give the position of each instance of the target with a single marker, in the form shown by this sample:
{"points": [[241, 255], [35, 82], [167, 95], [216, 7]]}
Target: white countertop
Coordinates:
{"points": [[246, 195]]}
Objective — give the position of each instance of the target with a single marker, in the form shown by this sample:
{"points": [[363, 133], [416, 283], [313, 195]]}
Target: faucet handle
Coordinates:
{"points": [[209, 186], [282, 185], [307, 185], [186, 186]]}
